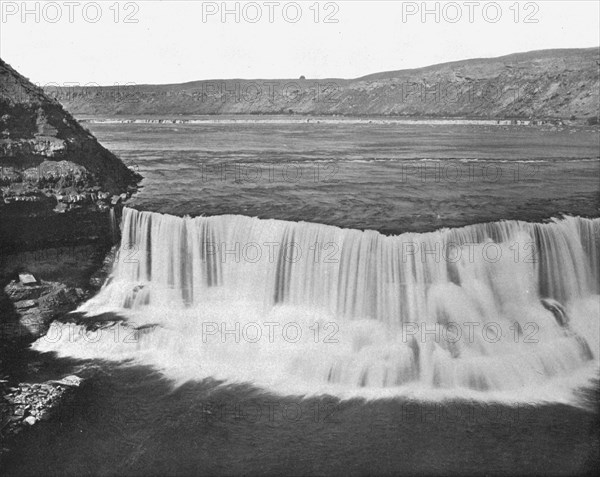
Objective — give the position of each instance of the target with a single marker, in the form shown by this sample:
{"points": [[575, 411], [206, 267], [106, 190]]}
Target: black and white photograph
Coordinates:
{"points": [[304, 238]]}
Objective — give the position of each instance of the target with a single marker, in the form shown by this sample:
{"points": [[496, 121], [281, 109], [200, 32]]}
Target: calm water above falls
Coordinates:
{"points": [[385, 177]]}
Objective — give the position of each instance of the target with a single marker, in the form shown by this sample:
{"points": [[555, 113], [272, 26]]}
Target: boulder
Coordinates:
{"points": [[16, 291], [25, 304], [72, 380], [27, 279], [37, 306], [61, 208], [30, 420]]}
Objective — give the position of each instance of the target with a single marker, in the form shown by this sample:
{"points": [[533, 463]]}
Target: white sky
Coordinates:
{"points": [[171, 42]]}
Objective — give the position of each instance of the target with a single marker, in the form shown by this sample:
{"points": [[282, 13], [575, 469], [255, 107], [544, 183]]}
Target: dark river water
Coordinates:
{"points": [[131, 421], [134, 419]]}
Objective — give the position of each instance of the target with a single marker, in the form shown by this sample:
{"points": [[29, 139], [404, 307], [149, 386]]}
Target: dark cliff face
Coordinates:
{"points": [[34, 128], [57, 183]]}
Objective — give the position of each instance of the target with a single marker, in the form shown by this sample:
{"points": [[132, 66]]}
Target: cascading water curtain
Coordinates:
{"points": [[488, 307]]}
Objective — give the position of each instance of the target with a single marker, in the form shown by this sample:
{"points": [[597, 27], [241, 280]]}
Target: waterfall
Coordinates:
{"points": [[451, 309], [113, 226]]}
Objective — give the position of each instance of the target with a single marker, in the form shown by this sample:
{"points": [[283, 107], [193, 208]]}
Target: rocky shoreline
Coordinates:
{"points": [[28, 307], [25, 404], [330, 120]]}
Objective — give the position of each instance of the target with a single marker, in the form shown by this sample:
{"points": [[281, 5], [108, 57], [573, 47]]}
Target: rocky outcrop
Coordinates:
{"points": [[547, 84], [35, 128], [57, 182], [29, 304], [37, 305]]}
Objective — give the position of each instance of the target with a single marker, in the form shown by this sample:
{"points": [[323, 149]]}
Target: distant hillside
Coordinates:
{"points": [[540, 84]]}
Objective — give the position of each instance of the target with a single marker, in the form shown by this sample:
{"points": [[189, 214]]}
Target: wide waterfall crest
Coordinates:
{"points": [[310, 305]]}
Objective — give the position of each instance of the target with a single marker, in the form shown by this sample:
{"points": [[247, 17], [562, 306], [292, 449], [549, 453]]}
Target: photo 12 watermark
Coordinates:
{"points": [[271, 12], [470, 12], [69, 12]]}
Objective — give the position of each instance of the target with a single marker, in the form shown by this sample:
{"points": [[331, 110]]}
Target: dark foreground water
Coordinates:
{"points": [[132, 420]]}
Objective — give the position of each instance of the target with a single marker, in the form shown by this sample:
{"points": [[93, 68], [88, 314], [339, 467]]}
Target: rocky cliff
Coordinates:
{"points": [[548, 84], [57, 182]]}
